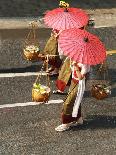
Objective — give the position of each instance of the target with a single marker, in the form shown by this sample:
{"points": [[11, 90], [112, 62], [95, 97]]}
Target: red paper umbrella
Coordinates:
{"points": [[82, 46], [66, 18]]}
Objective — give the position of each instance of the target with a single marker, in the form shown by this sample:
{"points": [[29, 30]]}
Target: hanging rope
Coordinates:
{"points": [[45, 65], [103, 70], [31, 37]]}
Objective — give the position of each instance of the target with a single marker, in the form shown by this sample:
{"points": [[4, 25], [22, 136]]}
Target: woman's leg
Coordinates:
{"points": [[66, 116], [55, 62], [68, 105]]}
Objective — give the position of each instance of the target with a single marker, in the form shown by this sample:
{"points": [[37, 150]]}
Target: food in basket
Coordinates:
{"points": [[100, 91], [40, 93], [32, 48], [103, 88], [41, 88]]}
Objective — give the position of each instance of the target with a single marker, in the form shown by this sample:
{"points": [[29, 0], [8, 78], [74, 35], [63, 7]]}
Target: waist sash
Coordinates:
{"points": [[81, 89]]}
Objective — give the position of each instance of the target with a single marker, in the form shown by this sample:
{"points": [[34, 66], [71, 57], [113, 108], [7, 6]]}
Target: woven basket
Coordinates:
{"points": [[102, 89], [31, 55], [31, 40], [41, 93], [37, 96], [98, 92]]}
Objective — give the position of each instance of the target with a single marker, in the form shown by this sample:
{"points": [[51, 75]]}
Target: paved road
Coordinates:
{"points": [[11, 43], [103, 12], [30, 130], [27, 8]]}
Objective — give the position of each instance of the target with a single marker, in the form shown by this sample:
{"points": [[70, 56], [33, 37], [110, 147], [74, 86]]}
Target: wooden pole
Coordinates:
{"points": [[111, 52]]}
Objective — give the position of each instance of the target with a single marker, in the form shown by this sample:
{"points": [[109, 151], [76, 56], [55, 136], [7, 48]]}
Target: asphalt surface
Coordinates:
{"points": [[26, 8], [30, 130], [12, 41]]}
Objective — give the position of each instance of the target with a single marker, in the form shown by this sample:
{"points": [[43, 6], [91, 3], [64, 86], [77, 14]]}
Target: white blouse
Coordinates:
{"points": [[84, 68]]}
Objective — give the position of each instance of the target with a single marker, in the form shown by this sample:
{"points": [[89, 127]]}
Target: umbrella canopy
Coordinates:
{"points": [[82, 46], [66, 18]]}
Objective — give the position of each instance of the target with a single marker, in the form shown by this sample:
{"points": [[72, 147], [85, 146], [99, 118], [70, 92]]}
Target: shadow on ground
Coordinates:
{"points": [[98, 122], [32, 68]]}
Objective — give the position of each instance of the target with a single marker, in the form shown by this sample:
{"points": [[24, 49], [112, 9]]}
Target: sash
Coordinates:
{"points": [[81, 89]]}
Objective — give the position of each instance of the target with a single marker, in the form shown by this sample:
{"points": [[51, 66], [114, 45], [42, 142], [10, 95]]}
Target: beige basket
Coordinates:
{"points": [[37, 96], [102, 89], [31, 55], [31, 40]]}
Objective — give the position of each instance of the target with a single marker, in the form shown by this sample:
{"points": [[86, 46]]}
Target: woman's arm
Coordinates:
{"points": [[84, 69], [79, 75]]}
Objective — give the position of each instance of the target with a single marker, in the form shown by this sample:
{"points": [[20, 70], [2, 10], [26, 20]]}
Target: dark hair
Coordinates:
{"points": [[81, 28]]}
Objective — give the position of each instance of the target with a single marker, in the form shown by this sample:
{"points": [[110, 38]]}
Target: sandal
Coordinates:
{"points": [[50, 70], [58, 92], [76, 123], [53, 73], [62, 127]]}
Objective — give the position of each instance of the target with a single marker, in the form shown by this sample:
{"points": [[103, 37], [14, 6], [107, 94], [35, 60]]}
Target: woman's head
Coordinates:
{"points": [[55, 31]]}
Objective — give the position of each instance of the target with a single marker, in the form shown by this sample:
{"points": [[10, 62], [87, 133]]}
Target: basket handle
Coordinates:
{"points": [[31, 35], [45, 63], [40, 73], [104, 69], [47, 75]]}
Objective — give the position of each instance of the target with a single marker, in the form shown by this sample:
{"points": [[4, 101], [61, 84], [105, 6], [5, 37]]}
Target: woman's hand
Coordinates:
{"points": [[80, 77], [78, 73]]}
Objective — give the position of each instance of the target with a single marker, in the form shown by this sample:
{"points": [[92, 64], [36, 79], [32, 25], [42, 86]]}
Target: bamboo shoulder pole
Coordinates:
{"points": [[111, 52]]}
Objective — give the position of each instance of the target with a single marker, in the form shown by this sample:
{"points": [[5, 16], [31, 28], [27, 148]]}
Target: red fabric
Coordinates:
{"points": [[55, 31], [61, 85], [75, 81], [75, 75], [68, 118]]}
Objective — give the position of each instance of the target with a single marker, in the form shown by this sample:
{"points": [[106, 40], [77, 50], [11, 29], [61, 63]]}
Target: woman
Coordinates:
{"points": [[71, 112], [51, 48], [64, 75]]}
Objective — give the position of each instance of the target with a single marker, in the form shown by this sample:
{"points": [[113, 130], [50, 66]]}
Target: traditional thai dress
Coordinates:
{"points": [[64, 75], [72, 105], [51, 48]]}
